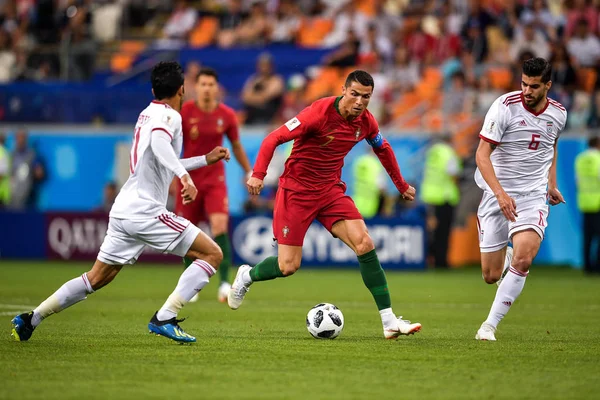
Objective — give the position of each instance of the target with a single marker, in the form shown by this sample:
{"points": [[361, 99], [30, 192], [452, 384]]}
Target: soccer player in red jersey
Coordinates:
{"points": [[311, 188], [205, 121]]}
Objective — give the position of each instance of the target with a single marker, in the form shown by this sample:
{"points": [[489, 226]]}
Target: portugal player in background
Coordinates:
{"points": [[205, 121], [311, 188]]}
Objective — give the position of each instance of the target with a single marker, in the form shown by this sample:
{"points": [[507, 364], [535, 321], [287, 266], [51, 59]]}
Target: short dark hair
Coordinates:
{"points": [[166, 78], [360, 76], [208, 72], [538, 67], [593, 141]]}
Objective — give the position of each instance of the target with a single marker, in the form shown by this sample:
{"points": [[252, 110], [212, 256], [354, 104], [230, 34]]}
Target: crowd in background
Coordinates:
{"points": [[438, 65]]}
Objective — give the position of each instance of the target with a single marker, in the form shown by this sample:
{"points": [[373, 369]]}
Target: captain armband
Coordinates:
{"points": [[377, 141]]}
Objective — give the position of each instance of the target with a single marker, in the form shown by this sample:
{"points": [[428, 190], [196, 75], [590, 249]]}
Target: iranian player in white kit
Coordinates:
{"points": [[516, 168], [139, 217]]}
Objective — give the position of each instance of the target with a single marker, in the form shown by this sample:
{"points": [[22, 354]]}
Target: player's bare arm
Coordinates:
{"points": [[484, 163], [241, 157], [554, 195]]}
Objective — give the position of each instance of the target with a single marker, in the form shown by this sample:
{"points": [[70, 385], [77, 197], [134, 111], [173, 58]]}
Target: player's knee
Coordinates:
{"points": [[489, 277], [288, 266], [522, 263], [364, 245]]}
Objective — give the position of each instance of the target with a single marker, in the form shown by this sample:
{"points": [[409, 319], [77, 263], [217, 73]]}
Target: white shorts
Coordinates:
{"points": [[125, 239], [495, 230]]}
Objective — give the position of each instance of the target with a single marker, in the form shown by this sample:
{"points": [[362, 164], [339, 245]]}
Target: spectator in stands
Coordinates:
{"points": [[447, 44], [8, 59], [294, 99], [584, 46], [349, 17], [460, 98], [475, 41], [529, 39], [253, 30], [229, 22], [404, 74], [346, 55], [486, 95], [81, 49], [582, 9], [181, 22], [564, 76], [373, 45], [286, 23], [263, 92], [108, 198], [192, 69], [542, 19], [4, 173], [27, 172]]}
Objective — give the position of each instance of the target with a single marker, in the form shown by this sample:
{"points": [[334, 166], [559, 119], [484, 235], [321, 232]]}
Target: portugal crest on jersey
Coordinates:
{"points": [[220, 124]]}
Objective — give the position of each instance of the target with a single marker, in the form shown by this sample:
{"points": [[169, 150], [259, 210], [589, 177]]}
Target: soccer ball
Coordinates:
{"points": [[325, 321]]}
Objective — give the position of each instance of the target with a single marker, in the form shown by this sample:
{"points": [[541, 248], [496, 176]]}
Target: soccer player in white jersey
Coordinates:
{"points": [[139, 217], [516, 168]]}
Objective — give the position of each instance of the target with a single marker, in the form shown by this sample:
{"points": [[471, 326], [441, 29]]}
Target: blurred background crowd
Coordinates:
{"points": [[437, 65]]}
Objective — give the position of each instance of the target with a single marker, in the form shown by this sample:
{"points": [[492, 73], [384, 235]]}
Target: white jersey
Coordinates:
{"points": [[525, 141], [145, 193]]}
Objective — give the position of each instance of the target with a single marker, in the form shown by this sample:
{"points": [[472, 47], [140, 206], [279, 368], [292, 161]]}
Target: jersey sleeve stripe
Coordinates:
{"points": [[557, 104], [488, 140], [177, 224], [163, 130]]}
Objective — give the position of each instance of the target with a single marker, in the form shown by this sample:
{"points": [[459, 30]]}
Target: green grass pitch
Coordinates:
{"points": [[548, 346]]}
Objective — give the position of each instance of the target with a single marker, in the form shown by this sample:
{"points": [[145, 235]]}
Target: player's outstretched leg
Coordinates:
{"points": [[526, 246], [67, 295], [207, 257], [286, 264], [354, 233]]}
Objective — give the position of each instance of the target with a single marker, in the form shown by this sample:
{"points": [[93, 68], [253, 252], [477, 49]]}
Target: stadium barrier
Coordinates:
{"points": [[78, 236]]}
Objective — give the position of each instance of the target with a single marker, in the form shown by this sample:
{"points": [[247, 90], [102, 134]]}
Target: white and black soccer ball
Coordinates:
{"points": [[325, 321]]}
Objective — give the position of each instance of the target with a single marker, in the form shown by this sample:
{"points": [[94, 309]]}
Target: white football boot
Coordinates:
{"points": [[403, 327], [223, 292], [195, 298], [238, 288], [486, 332], [507, 262]]}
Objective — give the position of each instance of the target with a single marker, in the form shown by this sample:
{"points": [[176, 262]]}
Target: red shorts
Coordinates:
{"points": [[210, 200], [294, 212]]}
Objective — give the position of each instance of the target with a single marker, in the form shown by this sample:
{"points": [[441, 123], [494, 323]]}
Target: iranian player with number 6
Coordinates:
{"points": [[139, 217], [311, 188], [516, 168]]}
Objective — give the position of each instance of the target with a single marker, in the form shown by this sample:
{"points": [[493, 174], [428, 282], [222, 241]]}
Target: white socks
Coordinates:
{"points": [[510, 288], [193, 279], [68, 294], [388, 318]]}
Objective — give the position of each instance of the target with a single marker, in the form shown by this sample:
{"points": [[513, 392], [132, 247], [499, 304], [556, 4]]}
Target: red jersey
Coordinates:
{"points": [[202, 132], [322, 139]]}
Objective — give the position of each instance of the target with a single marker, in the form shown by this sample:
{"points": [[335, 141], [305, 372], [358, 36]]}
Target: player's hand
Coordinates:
{"points": [[507, 205], [189, 191], [555, 197], [254, 185], [409, 194], [217, 154]]}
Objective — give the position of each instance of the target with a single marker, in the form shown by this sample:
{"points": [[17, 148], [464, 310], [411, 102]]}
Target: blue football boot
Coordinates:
{"points": [[171, 329]]}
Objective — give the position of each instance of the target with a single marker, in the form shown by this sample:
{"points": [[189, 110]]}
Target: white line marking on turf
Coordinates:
{"points": [[11, 313], [16, 306]]}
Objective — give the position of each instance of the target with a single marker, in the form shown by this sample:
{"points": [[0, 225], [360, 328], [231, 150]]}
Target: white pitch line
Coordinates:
{"points": [[16, 306], [11, 313]]}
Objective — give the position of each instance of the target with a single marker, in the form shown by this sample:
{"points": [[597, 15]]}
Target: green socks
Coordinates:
{"points": [[225, 245], [223, 241], [374, 279], [266, 270]]}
